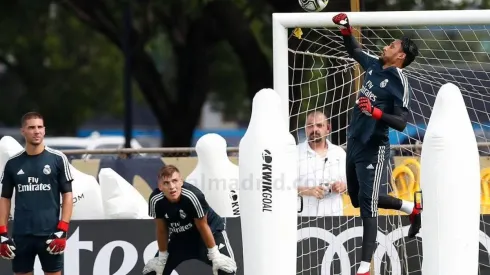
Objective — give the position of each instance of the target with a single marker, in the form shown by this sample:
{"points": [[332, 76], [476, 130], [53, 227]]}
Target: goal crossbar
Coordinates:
{"points": [[384, 18]]}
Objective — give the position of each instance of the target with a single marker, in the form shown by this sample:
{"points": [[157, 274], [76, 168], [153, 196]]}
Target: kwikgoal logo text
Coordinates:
{"points": [[33, 185], [266, 181]]}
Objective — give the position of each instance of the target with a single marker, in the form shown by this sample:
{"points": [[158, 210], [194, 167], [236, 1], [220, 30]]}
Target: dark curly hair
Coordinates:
{"points": [[410, 49]]}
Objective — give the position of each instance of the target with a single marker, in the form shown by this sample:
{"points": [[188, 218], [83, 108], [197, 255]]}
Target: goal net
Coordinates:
{"points": [[322, 77]]}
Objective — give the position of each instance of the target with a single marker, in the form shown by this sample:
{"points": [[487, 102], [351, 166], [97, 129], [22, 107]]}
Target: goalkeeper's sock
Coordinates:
{"points": [[408, 207], [389, 202], [370, 230]]}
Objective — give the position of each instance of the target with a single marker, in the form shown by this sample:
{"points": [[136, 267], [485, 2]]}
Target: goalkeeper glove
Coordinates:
{"points": [[7, 245], [156, 264], [368, 109], [220, 261], [343, 22], [57, 241]]}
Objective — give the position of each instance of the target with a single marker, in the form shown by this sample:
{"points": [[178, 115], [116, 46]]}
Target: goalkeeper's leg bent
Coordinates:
{"points": [[371, 168], [372, 171]]}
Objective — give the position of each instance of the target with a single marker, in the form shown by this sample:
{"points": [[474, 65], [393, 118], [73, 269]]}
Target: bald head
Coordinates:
{"points": [[317, 127]]}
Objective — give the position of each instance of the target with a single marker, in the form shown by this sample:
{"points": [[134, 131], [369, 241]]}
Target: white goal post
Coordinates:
{"points": [[319, 68]]}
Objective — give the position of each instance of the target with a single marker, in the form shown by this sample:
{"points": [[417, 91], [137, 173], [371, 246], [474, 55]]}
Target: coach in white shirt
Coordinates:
{"points": [[321, 170]]}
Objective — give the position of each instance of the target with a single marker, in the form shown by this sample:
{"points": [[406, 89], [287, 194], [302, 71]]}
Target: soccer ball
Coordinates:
{"points": [[313, 5]]}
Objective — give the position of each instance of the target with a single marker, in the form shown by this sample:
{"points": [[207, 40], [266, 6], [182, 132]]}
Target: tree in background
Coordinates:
{"points": [[53, 63], [68, 62], [176, 83]]}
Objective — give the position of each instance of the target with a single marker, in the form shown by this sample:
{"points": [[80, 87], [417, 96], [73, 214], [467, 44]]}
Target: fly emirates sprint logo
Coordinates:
{"points": [[33, 185], [366, 90]]}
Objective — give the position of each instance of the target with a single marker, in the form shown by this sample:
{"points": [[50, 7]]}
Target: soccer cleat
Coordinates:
{"points": [[415, 221]]}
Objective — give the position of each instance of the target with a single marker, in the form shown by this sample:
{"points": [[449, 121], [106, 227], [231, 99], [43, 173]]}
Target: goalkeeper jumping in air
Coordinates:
{"points": [[196, 231], [383, 103]]}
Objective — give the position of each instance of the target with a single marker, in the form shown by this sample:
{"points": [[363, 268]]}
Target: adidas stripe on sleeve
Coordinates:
{"points": [[197, 203], [152, 206]]}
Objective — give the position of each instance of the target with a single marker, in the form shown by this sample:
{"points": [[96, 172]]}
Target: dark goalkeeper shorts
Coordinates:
{"points": [[180, 251], [366, 170], [27, 247]]}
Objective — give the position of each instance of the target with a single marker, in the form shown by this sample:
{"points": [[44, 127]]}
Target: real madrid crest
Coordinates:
{"points": [[383, 83], [47, 170], [182, 214]]}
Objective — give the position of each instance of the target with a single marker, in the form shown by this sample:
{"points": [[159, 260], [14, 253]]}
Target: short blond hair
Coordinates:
{"points": [[167, 171]]}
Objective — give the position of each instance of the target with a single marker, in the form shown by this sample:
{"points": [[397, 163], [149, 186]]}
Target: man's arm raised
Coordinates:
{"points": [[353, 48]]}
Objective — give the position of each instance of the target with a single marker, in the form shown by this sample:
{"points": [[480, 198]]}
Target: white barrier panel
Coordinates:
{"points": [[450, 180], [87, 197], [216, 176], [268, 195], [121, 200], [8, 148]]}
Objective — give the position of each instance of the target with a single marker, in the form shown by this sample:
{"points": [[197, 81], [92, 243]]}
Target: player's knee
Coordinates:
{"points": [[367, 212], [355, 201], [366, 205], [365, 198]]}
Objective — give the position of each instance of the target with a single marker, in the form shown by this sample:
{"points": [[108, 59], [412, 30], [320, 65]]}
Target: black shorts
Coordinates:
{"points": [[179, 251], [27, 247], [366, 170]]}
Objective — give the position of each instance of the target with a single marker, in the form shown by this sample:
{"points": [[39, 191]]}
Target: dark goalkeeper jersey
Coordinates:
{"points": [[180, 216], [38, 181], [385, 88]]}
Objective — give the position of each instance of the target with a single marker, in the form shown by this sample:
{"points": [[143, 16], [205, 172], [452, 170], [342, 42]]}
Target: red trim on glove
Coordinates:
{"points": [[3, 229], [62, 225], [377, 113], [346, 31]]}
